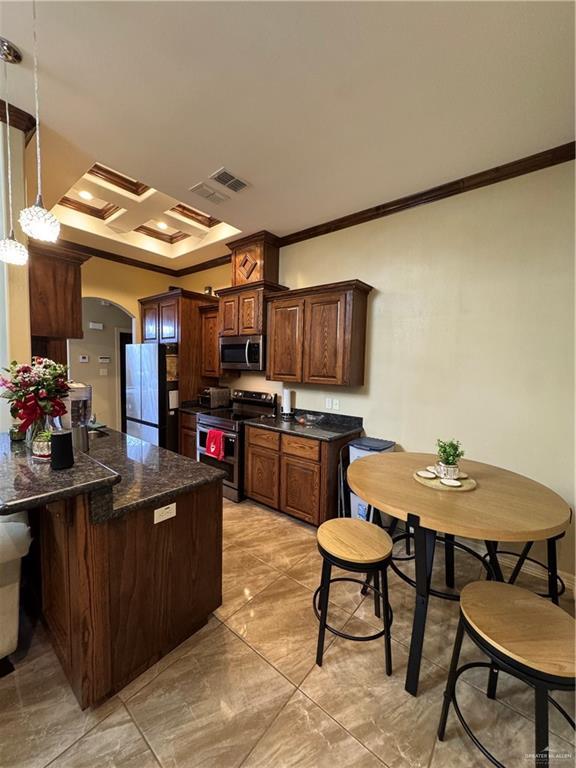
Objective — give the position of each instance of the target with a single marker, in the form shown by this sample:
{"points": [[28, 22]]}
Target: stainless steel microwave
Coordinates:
{"points": [[242, 353]]}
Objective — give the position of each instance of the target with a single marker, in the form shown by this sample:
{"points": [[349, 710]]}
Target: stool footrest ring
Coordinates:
{"points": [[561, 584], [345, 635]]}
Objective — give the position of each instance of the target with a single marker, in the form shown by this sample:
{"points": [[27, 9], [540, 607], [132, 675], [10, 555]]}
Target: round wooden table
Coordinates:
{"points": [[504, 507]]}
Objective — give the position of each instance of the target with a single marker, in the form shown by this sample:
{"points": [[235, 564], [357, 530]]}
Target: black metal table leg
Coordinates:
{"points": [[424, 544], [449, 560], [541, 722], [521, 560], [552, 571], [491, 547]]}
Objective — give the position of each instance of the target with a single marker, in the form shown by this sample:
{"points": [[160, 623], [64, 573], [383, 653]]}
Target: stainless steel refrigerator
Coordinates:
{"points": [[152, 393]]}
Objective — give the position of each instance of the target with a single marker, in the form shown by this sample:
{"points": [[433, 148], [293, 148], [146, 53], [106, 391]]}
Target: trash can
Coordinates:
{"points": [[14, 545], [365, 446]]}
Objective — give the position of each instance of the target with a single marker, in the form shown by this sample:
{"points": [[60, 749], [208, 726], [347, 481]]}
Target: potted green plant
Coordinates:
{"points": [[449, 454]]}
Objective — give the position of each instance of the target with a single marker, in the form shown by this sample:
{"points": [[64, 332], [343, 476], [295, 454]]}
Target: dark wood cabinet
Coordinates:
{"points": [[318, 335], [176, 317], [300, 488], [168, 321], [150, 323], [210, 348], [296, 475], [285, 339], [55, 287], [119, 595], [262, 475], [255, 258], [325, 346], [229, 315], [188, 434], [243, 308]]}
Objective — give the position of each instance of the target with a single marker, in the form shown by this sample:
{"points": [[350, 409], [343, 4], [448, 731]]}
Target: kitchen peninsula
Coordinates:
{"points": [[130, 542]]}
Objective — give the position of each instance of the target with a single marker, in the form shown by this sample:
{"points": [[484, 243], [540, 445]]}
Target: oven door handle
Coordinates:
{"points": [[232, 435], [246, 348]]}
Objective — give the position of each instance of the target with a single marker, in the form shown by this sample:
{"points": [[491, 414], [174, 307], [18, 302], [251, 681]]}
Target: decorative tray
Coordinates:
{"points": [[466, 483]]}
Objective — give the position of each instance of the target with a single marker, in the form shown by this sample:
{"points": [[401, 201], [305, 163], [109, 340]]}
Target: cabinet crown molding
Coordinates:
{"points": [[345, 285]]}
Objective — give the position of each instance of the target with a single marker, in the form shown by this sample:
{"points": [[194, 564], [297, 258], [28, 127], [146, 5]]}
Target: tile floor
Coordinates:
{"points": [[244, 691]]}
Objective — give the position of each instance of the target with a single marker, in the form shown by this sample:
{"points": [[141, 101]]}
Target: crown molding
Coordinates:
{"points": [[19, 119], [549, 157]]}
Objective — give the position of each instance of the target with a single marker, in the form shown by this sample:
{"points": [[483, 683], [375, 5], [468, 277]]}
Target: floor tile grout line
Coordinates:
{"points": [[241, 607], [339, 724], [85, 733], [274, 719], [143, 735]]}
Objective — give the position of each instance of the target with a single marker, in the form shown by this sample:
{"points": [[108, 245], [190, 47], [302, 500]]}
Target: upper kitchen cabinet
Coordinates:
{"points": [[190, 320], [318, 335], [255, 259], [243, 308], [54, 271]]}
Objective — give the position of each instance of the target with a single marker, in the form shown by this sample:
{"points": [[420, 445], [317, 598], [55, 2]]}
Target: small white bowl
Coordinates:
{"points": [[450, 483], [426, 474], [432, 469]]}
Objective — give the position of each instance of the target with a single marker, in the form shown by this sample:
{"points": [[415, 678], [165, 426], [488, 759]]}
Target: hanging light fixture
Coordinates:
{"points": [[11, 251], [36, 221]]}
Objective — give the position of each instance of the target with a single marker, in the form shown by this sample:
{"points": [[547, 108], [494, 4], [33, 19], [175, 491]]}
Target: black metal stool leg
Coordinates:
{"points": [[377, 610], [386, 615], [492, 681], [449, 691], [407, 540], [492, 547], [364, 590], [541, 718], [324, 594], [552, 571], [449, 560]]}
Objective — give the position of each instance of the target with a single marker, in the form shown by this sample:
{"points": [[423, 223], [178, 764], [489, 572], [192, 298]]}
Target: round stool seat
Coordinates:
{"points": [[522, 626], [355, 541]]}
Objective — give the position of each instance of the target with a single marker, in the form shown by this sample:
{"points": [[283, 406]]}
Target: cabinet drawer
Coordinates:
{"points": [[304, 447], [264, 438], [187, 420]]}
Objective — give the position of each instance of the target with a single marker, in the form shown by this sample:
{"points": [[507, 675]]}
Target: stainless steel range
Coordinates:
{"points": [[245, 405]]}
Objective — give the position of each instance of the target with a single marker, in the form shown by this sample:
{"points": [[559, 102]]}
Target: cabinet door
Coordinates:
{"points": [[250, 313], [300, 488], [262, 475], [149, 314], [229, 315], [188, 443], [210, 350], [324, 338], [54, 523], [168, 321], [285, 337]]}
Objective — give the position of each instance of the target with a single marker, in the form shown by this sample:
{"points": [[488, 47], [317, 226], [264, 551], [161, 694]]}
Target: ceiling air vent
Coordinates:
{"points": [[227, 179], [208, 193]]}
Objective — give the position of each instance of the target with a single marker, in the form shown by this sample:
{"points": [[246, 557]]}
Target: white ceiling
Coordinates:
{"points": [[325, 108]]}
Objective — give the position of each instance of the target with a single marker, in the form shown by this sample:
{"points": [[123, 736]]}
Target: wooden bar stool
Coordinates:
{"points": [[524, 635], [363, 548]]}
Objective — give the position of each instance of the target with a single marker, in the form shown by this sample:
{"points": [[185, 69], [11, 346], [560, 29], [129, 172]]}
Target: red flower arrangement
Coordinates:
{"points": [[35, 391]]}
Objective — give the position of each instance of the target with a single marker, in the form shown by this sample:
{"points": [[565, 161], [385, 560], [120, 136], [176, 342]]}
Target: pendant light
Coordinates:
{"points": [[36, 221], [11, 251]]}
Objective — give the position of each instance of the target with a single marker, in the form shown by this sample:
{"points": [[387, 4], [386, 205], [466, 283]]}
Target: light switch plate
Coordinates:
{"points": [[103, 371], [164, 513], [336, 405], [328, 403], [83, 358]]}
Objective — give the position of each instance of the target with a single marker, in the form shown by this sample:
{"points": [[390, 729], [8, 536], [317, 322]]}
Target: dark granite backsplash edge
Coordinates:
{"points": [[332, 419]]}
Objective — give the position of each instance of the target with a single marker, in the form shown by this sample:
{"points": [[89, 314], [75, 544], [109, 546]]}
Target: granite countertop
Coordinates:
{"points": [[149, 475], [140, 474], [330, 427], [25, 483]]}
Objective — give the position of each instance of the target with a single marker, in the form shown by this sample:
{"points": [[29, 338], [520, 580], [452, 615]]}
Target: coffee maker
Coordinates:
{"points": [[78, 413]]}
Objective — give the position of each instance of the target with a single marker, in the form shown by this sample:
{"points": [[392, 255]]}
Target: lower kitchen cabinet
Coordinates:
{"points": [[262, 475], [188, 435], [300, 488], [293, 474]]}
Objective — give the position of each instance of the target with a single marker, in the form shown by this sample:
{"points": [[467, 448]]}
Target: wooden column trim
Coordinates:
{"points": [[19, 119]]}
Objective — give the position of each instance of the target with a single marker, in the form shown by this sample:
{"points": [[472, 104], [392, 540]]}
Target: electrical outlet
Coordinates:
{"points": [[165, 513], [328, 403], [103, 371], [336, 405]]}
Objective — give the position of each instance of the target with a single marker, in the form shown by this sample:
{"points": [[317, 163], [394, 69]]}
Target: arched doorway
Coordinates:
{"points": [[99, 357]]}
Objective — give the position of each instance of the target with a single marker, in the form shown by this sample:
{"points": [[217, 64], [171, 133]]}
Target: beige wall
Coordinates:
{"points": [[105, 389], [471, 325], [124, 285]]}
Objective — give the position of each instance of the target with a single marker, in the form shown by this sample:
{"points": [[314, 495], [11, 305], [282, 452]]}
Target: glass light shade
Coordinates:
{"points": [[13, 252], [39, 223]]}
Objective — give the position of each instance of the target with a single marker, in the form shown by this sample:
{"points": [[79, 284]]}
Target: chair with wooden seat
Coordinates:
{"points": [[522, 634], [360, 547]]}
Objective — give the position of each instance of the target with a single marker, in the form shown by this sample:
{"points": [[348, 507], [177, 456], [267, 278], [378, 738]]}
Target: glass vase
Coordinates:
{"points": [[39, 437]]}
